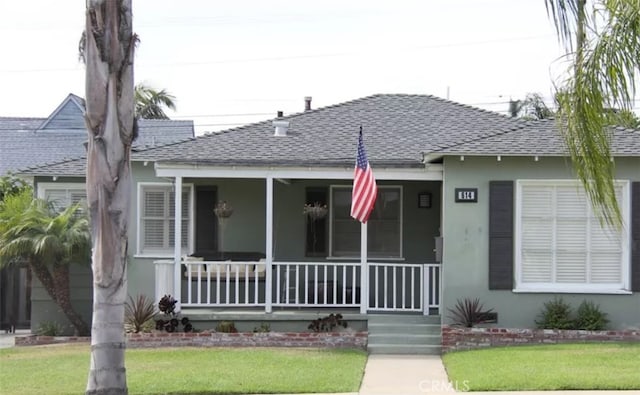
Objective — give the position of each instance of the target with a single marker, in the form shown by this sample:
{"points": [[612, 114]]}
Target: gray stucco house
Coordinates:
{"points": [[471, 204], [32, 142]]}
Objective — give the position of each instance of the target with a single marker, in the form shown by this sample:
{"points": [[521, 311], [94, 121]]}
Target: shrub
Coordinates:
{"points": [[49, 328], [469, 312], [226, 327], [556, 314], [167, 306], [328, 323], [263, 328], [138, 313], [590, 317]]}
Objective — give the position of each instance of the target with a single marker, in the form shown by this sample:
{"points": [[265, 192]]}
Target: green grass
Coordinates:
{"points": [[593, 366], [64, 369]]}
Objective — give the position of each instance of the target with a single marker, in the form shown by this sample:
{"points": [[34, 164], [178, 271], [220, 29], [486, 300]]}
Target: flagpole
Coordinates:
{"points": [[364, 270]]}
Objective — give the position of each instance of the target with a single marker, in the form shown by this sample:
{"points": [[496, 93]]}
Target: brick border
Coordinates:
{"points": [[458, 338], [216, 339]]}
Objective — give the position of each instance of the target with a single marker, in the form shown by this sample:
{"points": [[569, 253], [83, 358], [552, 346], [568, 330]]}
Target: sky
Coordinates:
{"points": [[233, 62]]}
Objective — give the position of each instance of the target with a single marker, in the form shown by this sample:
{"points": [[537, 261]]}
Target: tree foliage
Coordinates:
{"points": [[150, 102], [602, 44], [32, 231], [11, 184]]}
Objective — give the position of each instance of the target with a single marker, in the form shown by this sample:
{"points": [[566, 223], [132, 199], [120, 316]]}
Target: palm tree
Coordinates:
{"points": [[602, 42], [32, 232], [108, 51], [149, 102]]}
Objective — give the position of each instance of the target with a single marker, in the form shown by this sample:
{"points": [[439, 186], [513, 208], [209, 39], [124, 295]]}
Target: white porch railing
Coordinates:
{"points": [[317, 284], [392, 286]]}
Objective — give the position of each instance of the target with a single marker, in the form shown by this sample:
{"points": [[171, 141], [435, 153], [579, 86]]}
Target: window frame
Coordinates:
{"points": [[43, 187], [400, 256], [624, 287], [140, 252]]}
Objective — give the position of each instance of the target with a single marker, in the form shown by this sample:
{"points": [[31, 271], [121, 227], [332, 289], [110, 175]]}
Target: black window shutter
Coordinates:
{"points": [[501, 235], [635, 236]]}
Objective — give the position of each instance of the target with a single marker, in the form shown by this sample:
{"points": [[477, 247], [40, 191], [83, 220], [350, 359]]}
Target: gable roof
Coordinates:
{"points": [[398, 129], [29, 142]]}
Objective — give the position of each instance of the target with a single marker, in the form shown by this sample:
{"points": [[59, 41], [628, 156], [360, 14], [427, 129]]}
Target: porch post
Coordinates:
{"points": [[269, 247], [364, 270], [177, 242]]}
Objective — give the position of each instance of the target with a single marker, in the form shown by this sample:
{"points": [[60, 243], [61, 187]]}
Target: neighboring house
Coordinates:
{"points": [[471, 204], [31, 142]]}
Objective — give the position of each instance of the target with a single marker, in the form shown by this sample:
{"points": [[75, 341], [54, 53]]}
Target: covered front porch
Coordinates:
{"points": [[330, 263]]}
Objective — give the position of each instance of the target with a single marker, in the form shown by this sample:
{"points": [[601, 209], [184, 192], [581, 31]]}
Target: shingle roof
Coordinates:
{"points": [[30, 142], [397, 130], [539, 138]]}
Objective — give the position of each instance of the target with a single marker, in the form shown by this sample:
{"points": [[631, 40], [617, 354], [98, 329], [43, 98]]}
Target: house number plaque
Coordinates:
{"points": [[467, 195]]}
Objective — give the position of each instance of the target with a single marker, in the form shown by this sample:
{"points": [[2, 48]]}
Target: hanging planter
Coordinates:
{"points": [[223, 210], [315, 211]]}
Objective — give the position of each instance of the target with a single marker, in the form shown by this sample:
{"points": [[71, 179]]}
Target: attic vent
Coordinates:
{"points": [[281, 128]]}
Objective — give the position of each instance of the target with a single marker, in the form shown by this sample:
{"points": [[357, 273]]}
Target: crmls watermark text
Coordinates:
{"points": [[443, 386]]}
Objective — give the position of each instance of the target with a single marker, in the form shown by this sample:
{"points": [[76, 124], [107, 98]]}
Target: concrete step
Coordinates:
{"points": [[376, 339], [406, 349], [404, 318], [402, 328]]}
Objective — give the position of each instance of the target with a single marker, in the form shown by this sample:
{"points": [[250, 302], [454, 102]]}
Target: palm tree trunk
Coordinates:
{"points": [[57, 286], [109, 117], [61, 281]]}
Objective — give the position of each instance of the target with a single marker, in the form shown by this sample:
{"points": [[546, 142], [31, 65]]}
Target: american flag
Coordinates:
{"points": [[365, 189]]}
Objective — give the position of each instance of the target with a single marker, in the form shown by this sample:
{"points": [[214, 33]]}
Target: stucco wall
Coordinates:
{"points": [[465, 267]]}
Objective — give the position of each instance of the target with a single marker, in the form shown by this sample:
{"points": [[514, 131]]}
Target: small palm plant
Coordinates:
{"points": [[469, 312], [139, 313]]}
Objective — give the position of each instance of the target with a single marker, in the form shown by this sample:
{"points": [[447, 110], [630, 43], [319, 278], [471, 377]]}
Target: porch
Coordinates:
{"points": [[263, 285]]}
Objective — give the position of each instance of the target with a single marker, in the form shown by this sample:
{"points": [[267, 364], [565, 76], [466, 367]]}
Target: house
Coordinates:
{"points": [[471, 204], [30, 142]]}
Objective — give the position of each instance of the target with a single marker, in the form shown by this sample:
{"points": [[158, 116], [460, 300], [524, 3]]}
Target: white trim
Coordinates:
{"points": [[400, 257], [428, 173], [555, 287], [42, 187], [269, 244], [191, 232]]}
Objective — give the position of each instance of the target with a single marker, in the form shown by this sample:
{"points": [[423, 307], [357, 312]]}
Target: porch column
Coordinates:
{"points": [[177, 242], [364, 270], [269, 247]]}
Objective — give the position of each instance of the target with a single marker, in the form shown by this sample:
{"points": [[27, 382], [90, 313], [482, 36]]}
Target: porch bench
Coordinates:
{"points": [[234, 265]]}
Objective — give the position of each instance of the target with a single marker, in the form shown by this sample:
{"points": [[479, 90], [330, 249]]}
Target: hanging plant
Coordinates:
{"points": [[223, 210], [315, 211]]}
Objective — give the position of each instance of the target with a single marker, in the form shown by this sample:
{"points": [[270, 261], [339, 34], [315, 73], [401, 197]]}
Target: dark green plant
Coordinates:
{"points": [[49, 328], [469, 312], [590, 317], [328, 323], [556, 314], [263, 328], [170, 323], [138, 313]]}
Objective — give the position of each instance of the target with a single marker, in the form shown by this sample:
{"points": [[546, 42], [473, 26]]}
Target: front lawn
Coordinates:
{"points": [[64, 369], [591, 366]]}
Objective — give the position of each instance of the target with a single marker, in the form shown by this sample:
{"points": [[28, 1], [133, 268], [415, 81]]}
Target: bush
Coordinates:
{"points": [[555, 315], [469, 312], [49, 328], [590, 317], [226, 327]]}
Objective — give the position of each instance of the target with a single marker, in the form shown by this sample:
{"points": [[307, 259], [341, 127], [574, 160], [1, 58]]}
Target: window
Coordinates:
{"points": [[62, 195], [561, 245], [156, 224], [384, 233]]}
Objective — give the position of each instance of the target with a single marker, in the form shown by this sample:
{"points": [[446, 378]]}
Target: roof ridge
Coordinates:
{"points": [[52, 163]]}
